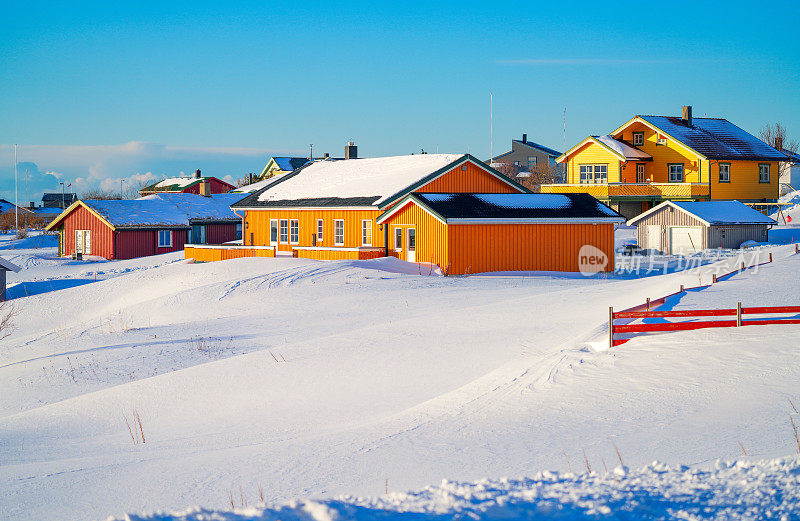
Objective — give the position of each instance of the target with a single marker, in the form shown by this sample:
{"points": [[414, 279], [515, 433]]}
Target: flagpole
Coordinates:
{"points": [[16, 197]]}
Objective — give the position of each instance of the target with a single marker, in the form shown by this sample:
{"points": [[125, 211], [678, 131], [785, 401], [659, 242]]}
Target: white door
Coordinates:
{"points": [[411, 245], [87, 242], [685, 240], [653, 237], [273, 232], [78, 241]]}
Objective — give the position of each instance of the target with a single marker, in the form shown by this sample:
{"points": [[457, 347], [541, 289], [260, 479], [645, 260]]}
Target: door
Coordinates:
{"points": [[273, 232], [78, 241], [685, 240], [653, 237], [640, 172], [411, 246], [83, 242]]}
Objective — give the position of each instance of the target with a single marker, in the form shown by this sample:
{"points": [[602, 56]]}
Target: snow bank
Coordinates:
{"points": [[731, 490], [790, 213]]}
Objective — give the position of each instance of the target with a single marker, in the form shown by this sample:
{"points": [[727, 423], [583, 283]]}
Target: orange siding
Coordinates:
{"points": [[257, 223], [102, 236], [476, 248], [473, 179], [224, 253], [338, 254], [431, 235]]}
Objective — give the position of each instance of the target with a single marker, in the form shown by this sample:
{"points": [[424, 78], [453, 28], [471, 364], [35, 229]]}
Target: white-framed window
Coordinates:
{"points": [[593, 174], [164, 238], [294, 231], [366, 232], [724, 172], [338, 232], [284, 231], [320, 230], [238, 231], [531, 162], [638, 139], [662, 140], [83, 242], [763, 172], [675, 172], [398, 239]]}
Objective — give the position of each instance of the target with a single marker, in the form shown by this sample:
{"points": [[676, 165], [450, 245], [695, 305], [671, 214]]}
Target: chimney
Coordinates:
{"points": [[326, 155], [197, 174], [524, 138], [32, 205], [205, 188], [350, 150], [687, 115]]}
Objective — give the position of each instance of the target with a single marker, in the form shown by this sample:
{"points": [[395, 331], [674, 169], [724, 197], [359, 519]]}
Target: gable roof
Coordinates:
{"points": [[622, 150], [794, 157], [8, 206], [8, 265], [713, 138], [158, 210], [712, 212], [530, 207], [68, 197], [366, 182], [290, 163], [177, 184], [531, 144]]}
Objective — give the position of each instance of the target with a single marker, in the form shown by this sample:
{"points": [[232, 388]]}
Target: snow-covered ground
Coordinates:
{"points": [[309, 379]]}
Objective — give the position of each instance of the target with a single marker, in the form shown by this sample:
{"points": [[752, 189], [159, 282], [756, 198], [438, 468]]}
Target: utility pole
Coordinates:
{"points": [[63, 196], [311, 153], [16, 196], [491, 128]]}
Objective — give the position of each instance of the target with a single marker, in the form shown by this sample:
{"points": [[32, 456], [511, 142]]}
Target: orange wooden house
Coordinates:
{"points": [[450, 210]]}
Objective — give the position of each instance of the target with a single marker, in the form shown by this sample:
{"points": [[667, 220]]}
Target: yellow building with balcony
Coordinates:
{"points": [[651, 159]]}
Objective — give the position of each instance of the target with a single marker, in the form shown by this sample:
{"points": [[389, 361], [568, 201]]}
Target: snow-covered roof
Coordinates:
{"points": [[714, 212], [8, 206], [169, 210], [622, 148], [178, 184], [8, 265], [258, 185], [379, 178]]}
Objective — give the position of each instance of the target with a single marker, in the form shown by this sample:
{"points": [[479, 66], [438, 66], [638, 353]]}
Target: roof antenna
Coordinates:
{"points": [[311, 153], [491, 127], [565, 130]]}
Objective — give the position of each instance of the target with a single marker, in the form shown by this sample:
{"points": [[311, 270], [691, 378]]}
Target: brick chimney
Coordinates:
{"points": [[687, 115], [350, 150], [524, 138], [205, 188], [197, 174]]}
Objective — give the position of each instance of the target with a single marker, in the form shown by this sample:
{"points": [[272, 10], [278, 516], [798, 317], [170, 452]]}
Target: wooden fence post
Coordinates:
{"points": [[738, 314], [770, 256], [797, 248], [681, 288], [713, 278], [742, 267], [648, 303], [611, 327]]}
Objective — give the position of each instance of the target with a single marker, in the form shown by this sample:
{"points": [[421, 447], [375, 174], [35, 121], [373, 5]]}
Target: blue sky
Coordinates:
{"points": [[97, 92]]}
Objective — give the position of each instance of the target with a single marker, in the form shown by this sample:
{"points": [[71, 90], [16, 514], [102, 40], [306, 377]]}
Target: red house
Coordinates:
{"points": [[189, 185], [125, 229]]}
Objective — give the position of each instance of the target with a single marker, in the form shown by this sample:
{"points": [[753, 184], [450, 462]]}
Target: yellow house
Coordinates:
{"points": [[651, 159]]}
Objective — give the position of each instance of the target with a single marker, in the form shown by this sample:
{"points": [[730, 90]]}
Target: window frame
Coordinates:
{"points": [[336, 224], [728, 177], [640, 142], [661, 140], [669, 172], [644, 172], [320, 230], [294, 231], [533, 161], [593, 169], [769, 173], [283, 231], [366, 232], [398, 234], [239, 231], [169, 235]]}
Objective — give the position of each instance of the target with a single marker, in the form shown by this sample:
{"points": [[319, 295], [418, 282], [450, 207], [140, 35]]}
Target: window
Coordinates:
{"points": [[83, 242], [638, 139], [294, 231], [197, 235], [662, 140], [398, 239], [516, 163], [763, 173], [320, 230], [338, 232], [531, 162], [284, 231], [594, 174], [676, 173], [640, 173], [238, 231], [366, 233], [164, 238], [724, 172]]}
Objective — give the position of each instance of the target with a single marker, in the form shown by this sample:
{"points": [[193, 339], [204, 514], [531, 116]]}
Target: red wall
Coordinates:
{"points": [[217, 187], [219, 233], [102, 236], [141, 243]]}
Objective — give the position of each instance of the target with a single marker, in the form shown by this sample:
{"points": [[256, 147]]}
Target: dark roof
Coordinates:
{"points": [[57, 197], [794, 157], [179, 184], [543, 148], [290, 163], [313, 202], [716, 138], [516, 206]]}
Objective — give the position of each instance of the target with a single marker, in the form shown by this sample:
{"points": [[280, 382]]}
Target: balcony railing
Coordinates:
{"points": [[608, 190]]}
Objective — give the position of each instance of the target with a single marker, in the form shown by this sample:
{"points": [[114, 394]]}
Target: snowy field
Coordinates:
{"points": [[155, 384]]}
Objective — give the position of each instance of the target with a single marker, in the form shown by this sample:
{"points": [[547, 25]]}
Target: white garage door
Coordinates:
{"points": [[685, 240]]}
